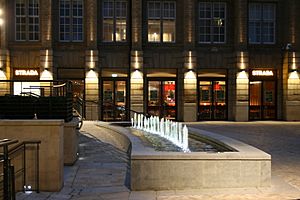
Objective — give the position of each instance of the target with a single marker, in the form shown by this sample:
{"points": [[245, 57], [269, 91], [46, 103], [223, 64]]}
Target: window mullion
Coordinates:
{"points": [[27, 20], [211, 23], [114, 21], [161, 22], [71, 21], [261, 24]]}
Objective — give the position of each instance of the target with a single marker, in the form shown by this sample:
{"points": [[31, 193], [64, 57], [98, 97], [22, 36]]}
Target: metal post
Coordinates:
{"points": [[12, 182], [6, 172], [24, 168], [37, 169]]}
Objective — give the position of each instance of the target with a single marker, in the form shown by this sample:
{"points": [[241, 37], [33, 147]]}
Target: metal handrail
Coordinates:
{"points": [[9, 172], [22, 146]]}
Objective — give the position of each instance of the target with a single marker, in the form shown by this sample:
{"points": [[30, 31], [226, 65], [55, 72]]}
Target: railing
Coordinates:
{"points": [[15, 168], [78, 105], [42, 100]]}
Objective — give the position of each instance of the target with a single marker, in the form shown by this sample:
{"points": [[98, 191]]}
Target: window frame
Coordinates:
{"points": [[262, 20], [114, 18], [212, 21], [27, 23], [71, 24], [161, 20]]}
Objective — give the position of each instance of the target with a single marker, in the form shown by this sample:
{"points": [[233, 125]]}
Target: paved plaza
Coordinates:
{"points": [[101, 172]]}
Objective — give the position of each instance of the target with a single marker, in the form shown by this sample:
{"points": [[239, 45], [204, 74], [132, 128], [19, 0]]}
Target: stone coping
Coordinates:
{"points": [[31, 122], [140, 152]]}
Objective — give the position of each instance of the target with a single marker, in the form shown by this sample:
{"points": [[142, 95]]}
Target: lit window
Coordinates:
{"points": [[212, 22], [161, 21], [27, 20], [71, 20], [114, 21], [262, 23]]}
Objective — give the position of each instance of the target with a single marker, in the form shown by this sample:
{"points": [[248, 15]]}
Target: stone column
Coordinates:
{"points": [[136, 59], [291, 63], [242, 61], [190, 87], [92, 85], [91, 62], [4, 52], [291, 86], [46, 53], [188, 91]]}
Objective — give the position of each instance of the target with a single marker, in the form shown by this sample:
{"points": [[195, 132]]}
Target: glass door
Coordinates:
{"points": [[212, 100], [162, 99], [255, 100], [114, 100], [269, 100], [262, 100]]}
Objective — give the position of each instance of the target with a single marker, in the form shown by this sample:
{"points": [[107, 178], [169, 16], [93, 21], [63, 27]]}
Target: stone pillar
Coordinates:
{"points": [[4, 52], [136, 18], [91, 23], [190, 96], [241, 105], [136, 59], [241, 22], [46, 24], [91, 63], [92, 85], [242, 88], [189, 24], [291, 86], [188, 87]]}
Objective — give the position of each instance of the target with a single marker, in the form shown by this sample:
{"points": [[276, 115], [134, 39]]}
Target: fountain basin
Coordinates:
{"points": [[154, 170]]}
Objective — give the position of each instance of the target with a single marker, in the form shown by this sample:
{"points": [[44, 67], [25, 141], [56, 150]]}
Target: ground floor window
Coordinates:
{"points": [[161, 98], [114, 100], [212, 99]]}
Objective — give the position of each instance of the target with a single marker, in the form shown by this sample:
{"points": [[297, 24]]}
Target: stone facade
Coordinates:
{"points": [[136, 61]]}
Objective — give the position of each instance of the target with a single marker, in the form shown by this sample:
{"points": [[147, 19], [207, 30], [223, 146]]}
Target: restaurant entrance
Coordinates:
{"points": [[262, 93], [161, 97]]}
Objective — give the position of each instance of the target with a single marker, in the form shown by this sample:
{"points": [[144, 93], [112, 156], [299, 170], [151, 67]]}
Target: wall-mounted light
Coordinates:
{"points": [[1, 17], [2, 75], [137, 74], [242, 61], [47, 59], [242, 74], [46, 75], [114, 75], [190, 74]]}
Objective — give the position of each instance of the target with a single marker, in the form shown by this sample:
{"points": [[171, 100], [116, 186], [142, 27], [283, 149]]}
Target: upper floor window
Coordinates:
{"points": [[161, 21], [114, 20], [262, 23], [27, 20], [212, 22], [71, 20]]}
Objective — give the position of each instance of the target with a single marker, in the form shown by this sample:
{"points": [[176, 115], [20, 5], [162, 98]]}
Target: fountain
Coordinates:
{"points": [[172, 131]]}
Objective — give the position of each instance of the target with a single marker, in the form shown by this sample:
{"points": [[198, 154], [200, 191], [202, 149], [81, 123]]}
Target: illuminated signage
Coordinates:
{"points": [[262, 73], [26, 72]]}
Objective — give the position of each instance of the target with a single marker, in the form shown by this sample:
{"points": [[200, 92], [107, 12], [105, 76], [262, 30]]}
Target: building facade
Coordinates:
{"points": [[187, 60]]}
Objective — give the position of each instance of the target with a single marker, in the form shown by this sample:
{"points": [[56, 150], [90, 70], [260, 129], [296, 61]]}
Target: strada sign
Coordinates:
{"points": [[262, 73], [26, 73]]}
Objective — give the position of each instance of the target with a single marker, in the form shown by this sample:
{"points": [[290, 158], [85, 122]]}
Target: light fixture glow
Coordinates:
{"points": [[190, 75], [46, 75], [137, 75], [2, 75], [294, 75], [242, 75], [114, 75]]}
